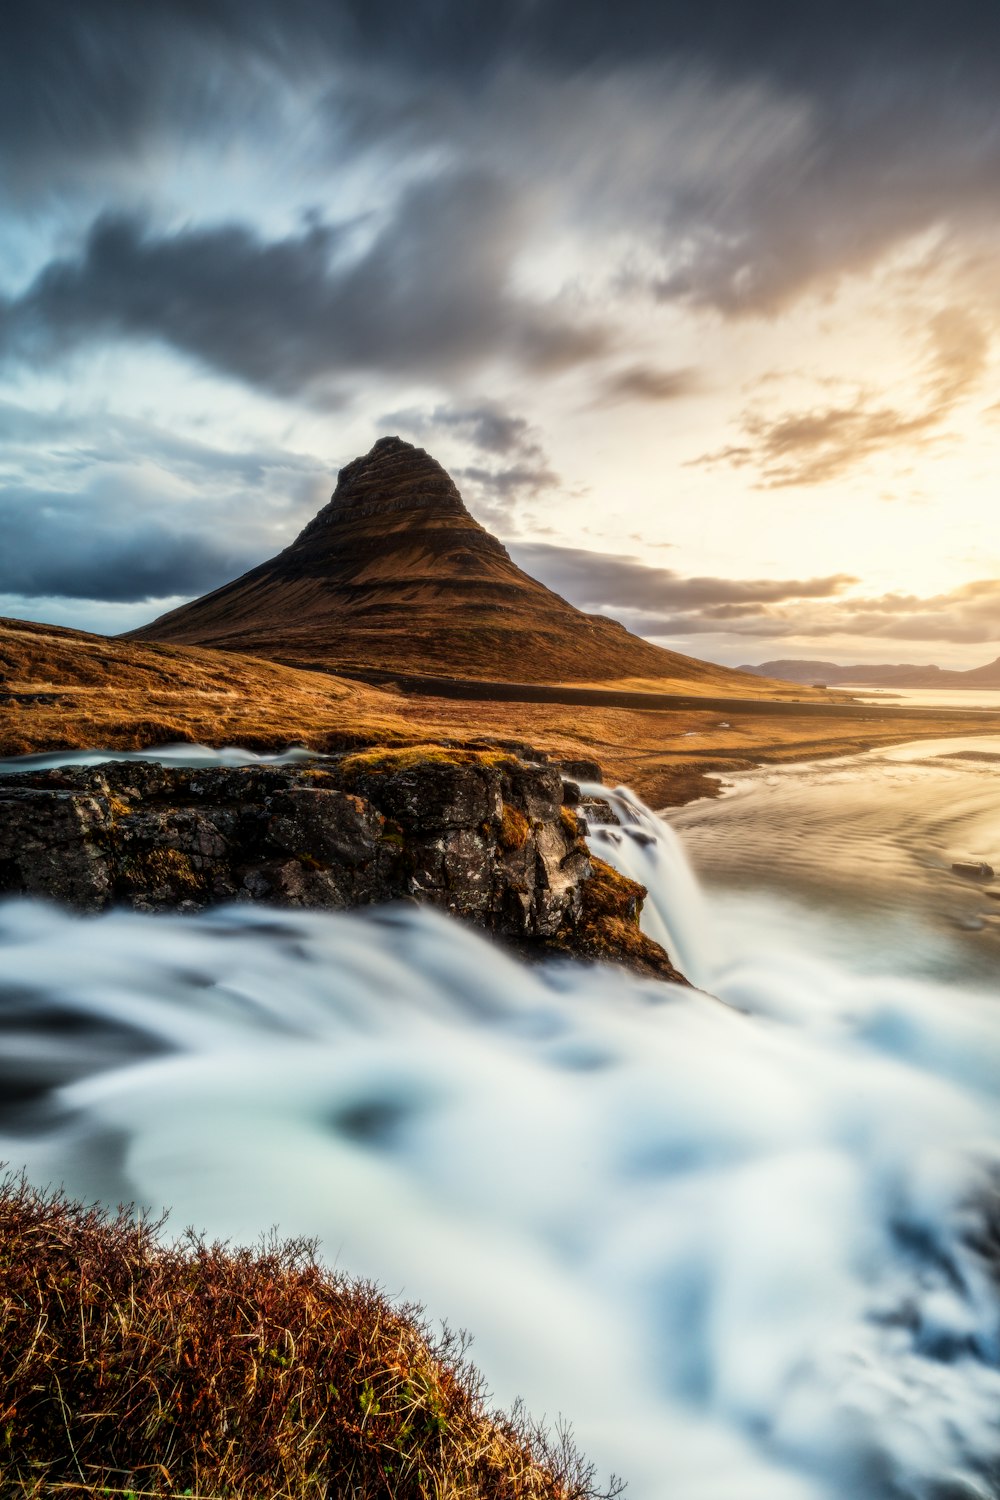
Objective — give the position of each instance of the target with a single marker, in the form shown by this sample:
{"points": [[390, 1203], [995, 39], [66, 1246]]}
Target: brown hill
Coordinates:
{"points": [[394, 576]]}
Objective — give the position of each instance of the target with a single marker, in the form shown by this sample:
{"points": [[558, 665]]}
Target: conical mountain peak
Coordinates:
{"points": [[394, 578], [393, 476]]}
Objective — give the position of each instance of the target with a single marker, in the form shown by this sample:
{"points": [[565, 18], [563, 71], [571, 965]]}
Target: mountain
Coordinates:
{"points": [[394, 576], [901, 675]]}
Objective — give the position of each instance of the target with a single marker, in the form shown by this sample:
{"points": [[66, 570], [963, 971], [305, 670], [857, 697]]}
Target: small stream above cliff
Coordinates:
{"points": [[750, 1244]]}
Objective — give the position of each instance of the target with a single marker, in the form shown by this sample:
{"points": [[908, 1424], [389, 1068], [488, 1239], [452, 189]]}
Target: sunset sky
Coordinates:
{"points": [[696, 299]]}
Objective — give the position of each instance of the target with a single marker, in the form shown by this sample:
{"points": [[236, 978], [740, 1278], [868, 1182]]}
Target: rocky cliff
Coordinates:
{"points": [[487, 835]]}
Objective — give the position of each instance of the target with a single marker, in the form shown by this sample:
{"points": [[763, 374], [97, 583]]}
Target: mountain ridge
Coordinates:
{"points": [[881, 674]]}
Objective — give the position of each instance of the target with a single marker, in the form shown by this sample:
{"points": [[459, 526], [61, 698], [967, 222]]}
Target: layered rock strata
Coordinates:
{"points": [[483, 834]]}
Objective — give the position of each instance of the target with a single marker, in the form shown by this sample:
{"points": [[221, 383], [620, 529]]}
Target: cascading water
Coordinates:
{"points": [[750, 1248], [646, 849]]}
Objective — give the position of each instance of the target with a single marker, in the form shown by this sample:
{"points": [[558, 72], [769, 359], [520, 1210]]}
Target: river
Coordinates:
{"points": [[737, 1238]]}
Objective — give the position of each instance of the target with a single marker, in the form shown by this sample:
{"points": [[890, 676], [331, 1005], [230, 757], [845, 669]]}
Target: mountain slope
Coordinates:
{"points": [[395, 576]]}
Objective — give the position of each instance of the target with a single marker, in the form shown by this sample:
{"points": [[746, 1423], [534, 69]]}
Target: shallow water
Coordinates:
{"points": [[967, 698], [193, 756], [857, 854], [732, 1238]]}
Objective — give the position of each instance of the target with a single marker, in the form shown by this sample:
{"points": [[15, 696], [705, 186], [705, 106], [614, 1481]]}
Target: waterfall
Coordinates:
{"points": [[745, 1247], [675, 913]]}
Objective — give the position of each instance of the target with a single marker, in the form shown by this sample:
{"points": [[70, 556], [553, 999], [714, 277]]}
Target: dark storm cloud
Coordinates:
{"points": [[80, 547], [595, 580], [89, 70], [429, 293], [856, 125]]}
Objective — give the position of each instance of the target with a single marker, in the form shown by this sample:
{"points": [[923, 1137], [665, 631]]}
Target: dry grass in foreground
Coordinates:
{"points": [[133, 1367]]}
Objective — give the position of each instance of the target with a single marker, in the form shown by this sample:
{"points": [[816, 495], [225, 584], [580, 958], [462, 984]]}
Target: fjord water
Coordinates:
{"points": [[748, 1243]]}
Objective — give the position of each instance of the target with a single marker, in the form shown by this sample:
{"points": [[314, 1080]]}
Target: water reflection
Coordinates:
{"points": [[859, 853]]}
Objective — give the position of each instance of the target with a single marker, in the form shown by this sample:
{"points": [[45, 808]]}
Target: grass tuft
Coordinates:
{"points": [[515, 829], [383, 761], [131, 1366]]}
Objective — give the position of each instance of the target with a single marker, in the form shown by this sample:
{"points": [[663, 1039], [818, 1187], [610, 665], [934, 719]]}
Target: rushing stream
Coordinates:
{"points": [[748, 1244]]}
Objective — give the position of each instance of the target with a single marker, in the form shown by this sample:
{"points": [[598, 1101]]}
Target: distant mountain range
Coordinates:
{"points": [[394, 578], [901, 674]]}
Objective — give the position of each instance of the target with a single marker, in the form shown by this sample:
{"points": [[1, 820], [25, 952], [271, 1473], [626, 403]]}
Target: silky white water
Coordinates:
{"points": [[749, 1244]]}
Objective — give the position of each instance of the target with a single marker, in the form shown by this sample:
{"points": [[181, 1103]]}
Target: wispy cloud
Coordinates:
{"points": [[809, 447], [649, 383]]}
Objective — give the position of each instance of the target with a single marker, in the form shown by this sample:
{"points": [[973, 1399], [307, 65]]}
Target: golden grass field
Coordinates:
{"points": [[64, 689]]}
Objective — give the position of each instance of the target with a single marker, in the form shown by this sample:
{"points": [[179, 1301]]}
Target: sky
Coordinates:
{"points": [[697, 300]]}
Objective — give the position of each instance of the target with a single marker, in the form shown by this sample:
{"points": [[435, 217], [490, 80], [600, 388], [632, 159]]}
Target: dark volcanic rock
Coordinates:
{"points": [[480, 833]]}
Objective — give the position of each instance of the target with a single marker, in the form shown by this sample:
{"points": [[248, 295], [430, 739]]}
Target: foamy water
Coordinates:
{"points": [[733, 1239]]}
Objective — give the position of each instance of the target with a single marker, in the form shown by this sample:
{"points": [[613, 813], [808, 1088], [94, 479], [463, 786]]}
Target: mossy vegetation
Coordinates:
{"points": [[570, 822], [152, 867], [608, 927], [515, 830], [310, 862], [132, 1366], [384, 760]]}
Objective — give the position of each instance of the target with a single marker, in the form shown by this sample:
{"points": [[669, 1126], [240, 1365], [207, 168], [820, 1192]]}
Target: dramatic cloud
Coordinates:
{"points": [[560, 243], [759, 150], [74, 546], [429, 293], [593, 580]]}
